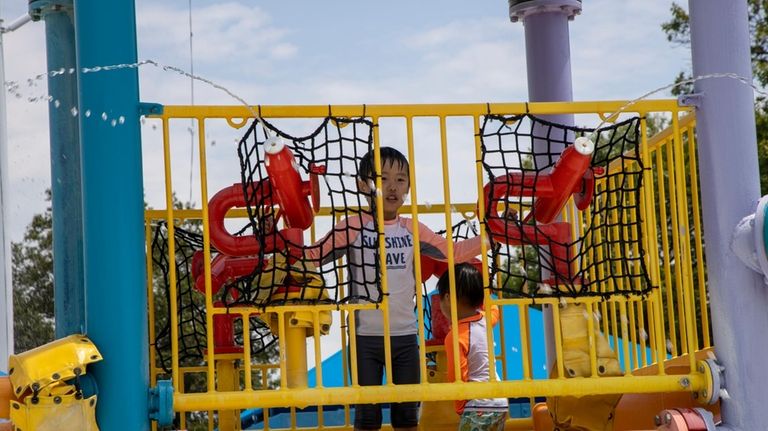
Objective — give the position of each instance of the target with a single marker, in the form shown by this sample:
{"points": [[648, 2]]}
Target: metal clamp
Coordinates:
{"points": [[693, 99], [714, 379], [161, 403], [39, 8]]}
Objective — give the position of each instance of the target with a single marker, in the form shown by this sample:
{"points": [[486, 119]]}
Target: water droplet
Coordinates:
{"points": [[73, 111], [87, 113], [514, 349], [71, 70], [113, 123], [56, 103], [121, 119], [643, 334], [104, 116]]}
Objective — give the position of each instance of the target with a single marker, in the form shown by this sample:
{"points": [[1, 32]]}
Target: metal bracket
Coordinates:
{"points": [[150, 109], [39, 8], [714, 379], [161, 403], [519, 9], [693, 99]]}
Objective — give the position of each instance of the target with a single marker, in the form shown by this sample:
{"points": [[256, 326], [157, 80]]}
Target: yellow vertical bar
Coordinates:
{"points": [[382, 254], [449, 244], [318, 363], [625, 336], [207, 255], [558, 341], [698, 235], [247, 351], [173, 310], [525, 349], [353, 348], [283, 345], [633, 333], [416, 248], [318, 353], [264, 383], [487, 301], [673, 209], [345, 346], [685, 243], [667, 282], [591, 337], [150, 302], [652, 246]]}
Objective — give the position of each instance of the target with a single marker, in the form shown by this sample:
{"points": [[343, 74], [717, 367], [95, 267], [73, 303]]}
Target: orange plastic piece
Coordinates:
{"points": [[6, 395]]}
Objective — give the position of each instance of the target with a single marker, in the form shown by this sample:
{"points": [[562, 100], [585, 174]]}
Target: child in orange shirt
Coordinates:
{"points": [[474, 355]]}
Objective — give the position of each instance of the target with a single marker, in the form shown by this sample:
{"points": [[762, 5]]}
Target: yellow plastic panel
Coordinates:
{"points": [[56, 413], [58, 360]]}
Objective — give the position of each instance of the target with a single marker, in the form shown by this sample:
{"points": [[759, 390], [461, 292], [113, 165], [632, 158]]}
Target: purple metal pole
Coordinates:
{"points": [[548, 60], [729, 176]]}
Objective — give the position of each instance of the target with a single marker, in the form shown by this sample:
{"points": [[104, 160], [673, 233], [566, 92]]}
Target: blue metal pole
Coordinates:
{"points": [[66, 197], [113, 219], [730, 186], [548, 61]]}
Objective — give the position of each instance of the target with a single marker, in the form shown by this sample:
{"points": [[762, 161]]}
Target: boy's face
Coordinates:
{"points": [[394, 188]]}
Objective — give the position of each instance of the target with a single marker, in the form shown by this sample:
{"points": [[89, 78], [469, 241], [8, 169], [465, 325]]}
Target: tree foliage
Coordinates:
{"points": [[678, 32], [32, 260]]}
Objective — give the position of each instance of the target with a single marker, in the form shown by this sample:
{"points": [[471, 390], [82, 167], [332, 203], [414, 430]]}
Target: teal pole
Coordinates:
{"points": [[113, 211], [66, 196]]}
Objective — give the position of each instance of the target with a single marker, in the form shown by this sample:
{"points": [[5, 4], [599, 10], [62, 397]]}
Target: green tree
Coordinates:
{"points": [[678, 32], [32, 260]]}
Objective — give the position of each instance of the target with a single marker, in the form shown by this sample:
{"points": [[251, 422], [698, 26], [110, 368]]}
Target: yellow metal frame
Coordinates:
{"points": [[665, 321]]}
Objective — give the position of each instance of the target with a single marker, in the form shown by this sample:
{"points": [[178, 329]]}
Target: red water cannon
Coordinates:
{"points": [[570, 176], [239, 255]]}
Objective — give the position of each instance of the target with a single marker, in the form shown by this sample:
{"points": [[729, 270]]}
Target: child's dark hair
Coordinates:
{"points": [[367, 168], [469, 285]]}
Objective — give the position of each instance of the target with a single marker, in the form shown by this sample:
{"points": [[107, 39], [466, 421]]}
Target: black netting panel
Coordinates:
{"points": [[462, 230], [601, 252], [190, 302], [333, 152]]}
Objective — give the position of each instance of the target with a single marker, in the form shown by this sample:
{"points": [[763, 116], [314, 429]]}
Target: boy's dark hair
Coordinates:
{"points": [[367, 168], [469, 285]]}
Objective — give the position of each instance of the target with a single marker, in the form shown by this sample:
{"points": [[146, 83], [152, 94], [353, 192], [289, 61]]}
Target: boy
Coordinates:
{"points": [[473, 355], [355, 237]]}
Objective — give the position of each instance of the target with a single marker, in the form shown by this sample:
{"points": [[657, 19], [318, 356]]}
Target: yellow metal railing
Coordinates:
{"points": [[671, 321]]}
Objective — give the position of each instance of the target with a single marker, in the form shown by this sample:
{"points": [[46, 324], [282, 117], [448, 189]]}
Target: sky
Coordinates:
{"points": [[332, 52]]}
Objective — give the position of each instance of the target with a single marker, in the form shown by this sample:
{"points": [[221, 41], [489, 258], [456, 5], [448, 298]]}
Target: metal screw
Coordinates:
{"points": [[657, 420], [685, 382], [668, 418]]}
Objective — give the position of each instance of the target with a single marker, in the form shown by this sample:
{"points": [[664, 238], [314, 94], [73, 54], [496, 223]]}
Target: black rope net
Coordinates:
{"points": [[190, 302], [596, 252], [462, 230], [292, 269]]}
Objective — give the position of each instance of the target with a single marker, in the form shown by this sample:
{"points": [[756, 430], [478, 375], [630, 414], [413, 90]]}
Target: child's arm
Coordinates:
{"points": [[334, 244], [434, 246], [494, 314]]}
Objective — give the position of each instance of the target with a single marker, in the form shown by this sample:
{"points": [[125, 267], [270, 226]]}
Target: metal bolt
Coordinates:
{"points": [[55, 376], [685, 382], [657, 420], [704, 393], [668, 418]]}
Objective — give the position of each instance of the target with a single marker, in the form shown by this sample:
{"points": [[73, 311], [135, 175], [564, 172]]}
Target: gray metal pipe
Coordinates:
{"points": [[730, 187]]}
